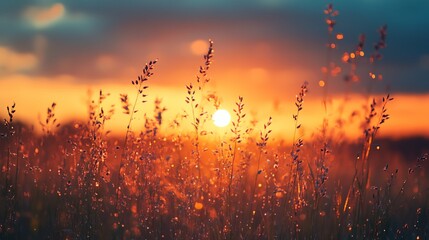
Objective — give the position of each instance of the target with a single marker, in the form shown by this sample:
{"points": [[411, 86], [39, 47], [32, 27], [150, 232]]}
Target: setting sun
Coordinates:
{"points": [[221, 118]]}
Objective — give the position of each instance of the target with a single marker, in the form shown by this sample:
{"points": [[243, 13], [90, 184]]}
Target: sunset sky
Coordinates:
{"points": [[54, 51]]}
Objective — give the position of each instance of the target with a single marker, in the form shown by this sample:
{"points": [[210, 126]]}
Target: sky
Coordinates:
{"points": [[264, 50]]}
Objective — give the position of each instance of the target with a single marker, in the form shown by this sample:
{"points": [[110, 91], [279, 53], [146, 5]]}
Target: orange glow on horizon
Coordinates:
{"points": [[72, 100]]}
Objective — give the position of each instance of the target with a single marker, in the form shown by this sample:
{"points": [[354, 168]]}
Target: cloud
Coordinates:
{"points": [[11, 61], [44, 17]]}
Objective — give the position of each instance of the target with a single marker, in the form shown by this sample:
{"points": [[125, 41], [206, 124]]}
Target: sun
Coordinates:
{"points": [[221, 118]]}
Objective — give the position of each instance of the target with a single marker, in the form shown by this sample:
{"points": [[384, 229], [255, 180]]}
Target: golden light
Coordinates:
{"points": [[221, 118]]}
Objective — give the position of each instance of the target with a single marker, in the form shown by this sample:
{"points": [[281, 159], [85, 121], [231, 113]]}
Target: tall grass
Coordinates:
{"points": [[78, 182]]}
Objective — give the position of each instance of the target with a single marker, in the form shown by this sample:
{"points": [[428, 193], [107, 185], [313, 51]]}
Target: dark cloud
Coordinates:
{"points": [[126, 34]]}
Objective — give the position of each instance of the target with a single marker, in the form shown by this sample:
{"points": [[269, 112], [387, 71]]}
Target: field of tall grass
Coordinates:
{"points": [[77, 181]]}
